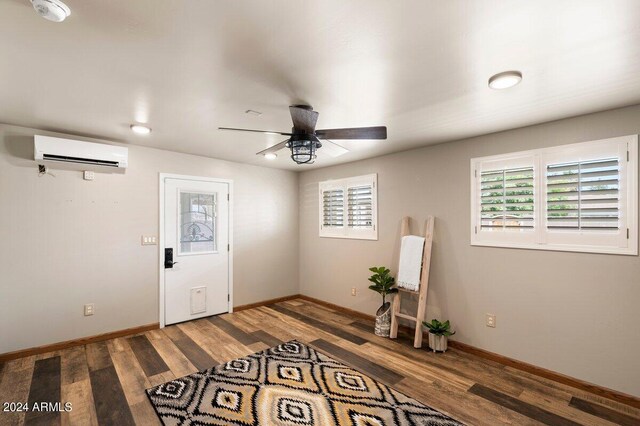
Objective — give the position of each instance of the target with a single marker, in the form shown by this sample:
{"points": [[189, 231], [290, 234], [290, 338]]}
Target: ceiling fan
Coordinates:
{"points": [[304, 139]]}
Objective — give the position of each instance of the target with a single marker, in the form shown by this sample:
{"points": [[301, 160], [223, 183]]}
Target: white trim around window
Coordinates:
{"points": [[581, 197], [348, 208]]}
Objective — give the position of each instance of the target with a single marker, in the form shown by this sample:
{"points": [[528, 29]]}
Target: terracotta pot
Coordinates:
{"points": [[438, 343], [383, 320]]}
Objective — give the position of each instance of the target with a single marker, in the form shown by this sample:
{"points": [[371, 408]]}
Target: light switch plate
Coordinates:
{"points": [[89, 175], [149, 240]]}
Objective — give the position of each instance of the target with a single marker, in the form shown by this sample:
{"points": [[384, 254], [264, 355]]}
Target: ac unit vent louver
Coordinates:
{"points": [[47, 148]]}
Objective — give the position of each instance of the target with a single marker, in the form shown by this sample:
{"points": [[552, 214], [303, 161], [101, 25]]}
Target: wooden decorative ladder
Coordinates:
{"points": [[422, 289]]}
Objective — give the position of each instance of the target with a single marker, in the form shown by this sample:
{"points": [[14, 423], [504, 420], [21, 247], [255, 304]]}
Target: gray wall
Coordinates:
{"points": [[574, 313], [66, 242]]}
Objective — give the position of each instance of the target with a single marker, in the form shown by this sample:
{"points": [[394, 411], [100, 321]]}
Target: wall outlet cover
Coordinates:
{"points": [[491, 320], [89, 308]]}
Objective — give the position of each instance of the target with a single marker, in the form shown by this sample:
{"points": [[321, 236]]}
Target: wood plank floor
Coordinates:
{"points": [[105, 381]]}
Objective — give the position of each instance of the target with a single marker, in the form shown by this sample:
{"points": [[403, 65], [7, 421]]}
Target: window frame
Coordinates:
{"points": [[346, 232], [624, 241]]}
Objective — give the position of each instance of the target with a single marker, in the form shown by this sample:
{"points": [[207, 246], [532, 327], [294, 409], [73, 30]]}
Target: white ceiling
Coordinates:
{"points": [[418, 67]]}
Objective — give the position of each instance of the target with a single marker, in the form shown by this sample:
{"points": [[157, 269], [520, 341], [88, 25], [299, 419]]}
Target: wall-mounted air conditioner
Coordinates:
{"points": [[69, 151]]}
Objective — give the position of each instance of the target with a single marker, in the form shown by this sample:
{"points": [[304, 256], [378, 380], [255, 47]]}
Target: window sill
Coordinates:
{"points": [[351, 237], [628, 251]]}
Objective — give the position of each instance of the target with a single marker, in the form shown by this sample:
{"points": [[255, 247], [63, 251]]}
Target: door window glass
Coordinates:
{"points": [[197, 222]]}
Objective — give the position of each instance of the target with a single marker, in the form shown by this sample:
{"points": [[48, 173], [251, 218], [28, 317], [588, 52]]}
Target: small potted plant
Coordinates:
{"points": [[383, 284], [438, 334]]}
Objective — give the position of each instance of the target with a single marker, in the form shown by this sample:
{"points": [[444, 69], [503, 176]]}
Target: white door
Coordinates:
{"points": [[196, 249]]}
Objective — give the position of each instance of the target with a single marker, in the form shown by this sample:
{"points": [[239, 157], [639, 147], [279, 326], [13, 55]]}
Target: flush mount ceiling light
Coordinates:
{"points": [[271, 156], [52, 10], [504, 80], [140, 129]]}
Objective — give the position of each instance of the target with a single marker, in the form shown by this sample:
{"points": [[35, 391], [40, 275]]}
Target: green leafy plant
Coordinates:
{"points": [[439, 328], [382, 281]]}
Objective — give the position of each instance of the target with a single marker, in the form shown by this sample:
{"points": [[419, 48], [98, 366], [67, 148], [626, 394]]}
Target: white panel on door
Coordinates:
{"points": [[198, 300]]}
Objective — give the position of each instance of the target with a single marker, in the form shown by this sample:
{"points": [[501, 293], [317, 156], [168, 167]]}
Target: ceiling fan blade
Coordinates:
{"points": [[303, 119], [379, 132], [274, 148], [269, 132], [332, 149]]}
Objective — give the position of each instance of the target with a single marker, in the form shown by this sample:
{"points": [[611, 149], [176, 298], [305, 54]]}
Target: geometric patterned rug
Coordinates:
{"points": [[287, 385]]}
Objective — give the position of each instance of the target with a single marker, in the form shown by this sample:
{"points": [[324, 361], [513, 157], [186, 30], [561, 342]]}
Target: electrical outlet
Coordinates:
{"points": [[88, 309], [491, 320], [353, 291]]}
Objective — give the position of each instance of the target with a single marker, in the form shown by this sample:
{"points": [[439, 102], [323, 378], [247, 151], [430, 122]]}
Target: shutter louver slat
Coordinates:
{"points": [[360, 207], [507, 199], [584, 195], [333, 208]]}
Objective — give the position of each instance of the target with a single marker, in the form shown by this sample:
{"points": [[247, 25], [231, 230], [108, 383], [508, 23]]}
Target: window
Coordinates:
{"points": [[580, 197], [197, 223], [584, 195], [348, 208], [333, 208], [507, 198]]}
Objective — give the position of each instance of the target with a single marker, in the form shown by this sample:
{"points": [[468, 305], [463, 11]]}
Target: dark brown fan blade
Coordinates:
{"points": [[379, 132], [269, 132], [303, 119], [274, 148]]}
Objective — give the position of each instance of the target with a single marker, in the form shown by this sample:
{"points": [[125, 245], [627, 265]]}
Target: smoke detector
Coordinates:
{"points": [[52, 10]]}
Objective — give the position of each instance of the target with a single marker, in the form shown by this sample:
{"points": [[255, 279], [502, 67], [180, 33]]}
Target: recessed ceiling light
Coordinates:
{"points": [[140, 129], [504, 80], [271, 156]]}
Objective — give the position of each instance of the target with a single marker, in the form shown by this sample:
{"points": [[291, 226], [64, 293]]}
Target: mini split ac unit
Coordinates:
{"points": [[69, 151]]}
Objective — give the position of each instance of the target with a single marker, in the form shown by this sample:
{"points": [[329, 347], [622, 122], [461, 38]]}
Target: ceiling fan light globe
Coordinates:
{"points": [[303, 151]]}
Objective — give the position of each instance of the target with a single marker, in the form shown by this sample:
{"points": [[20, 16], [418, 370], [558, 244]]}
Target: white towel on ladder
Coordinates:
{"points": [[411, 249]]}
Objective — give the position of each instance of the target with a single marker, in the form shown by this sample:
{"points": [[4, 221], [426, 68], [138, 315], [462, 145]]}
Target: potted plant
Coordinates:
{"points": [[438, 334], [382, 283]]}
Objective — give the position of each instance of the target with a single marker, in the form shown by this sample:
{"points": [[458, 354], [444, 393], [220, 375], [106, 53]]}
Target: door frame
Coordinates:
{"points": [[162, 177]]}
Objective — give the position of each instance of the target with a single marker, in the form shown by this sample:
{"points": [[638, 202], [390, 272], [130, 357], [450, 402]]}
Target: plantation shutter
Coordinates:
{"points": [[360, 206], [584, 195], [581, 197], [333, 208], [507, 199], [348, 208]]}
